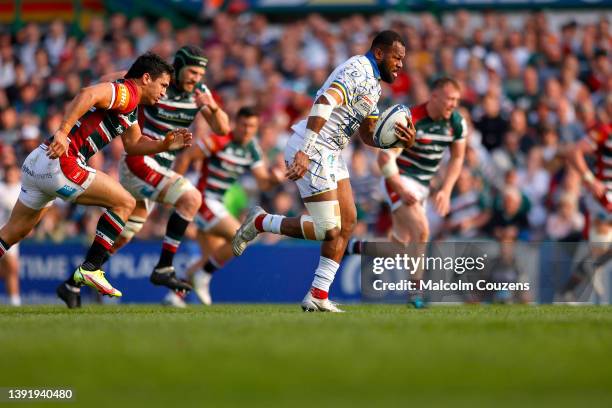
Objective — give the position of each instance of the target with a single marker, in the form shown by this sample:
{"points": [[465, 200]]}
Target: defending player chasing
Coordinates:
{"points": [[408, 172], [225, 159], [345, 105], [597, 143], [58, 167], [187, 102]]}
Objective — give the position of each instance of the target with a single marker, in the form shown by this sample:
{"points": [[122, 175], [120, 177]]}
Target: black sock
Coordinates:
{"points": [[210, 267], [4, 247], [70, 281], [175, 230], [108, 229]]}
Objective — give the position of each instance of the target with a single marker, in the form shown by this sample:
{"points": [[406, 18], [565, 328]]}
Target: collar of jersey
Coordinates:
{"points": [[372, 60]]}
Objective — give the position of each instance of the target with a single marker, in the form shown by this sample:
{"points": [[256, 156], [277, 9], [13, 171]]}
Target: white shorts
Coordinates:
{"points": [[418, 190], [44, 179], [210, 213], [326, 168], [143, 177]]}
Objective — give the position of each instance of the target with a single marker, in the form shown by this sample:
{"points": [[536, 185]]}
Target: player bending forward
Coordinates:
{"points": [[58, 167], [225, 159], [346, 104], [408, 172]]}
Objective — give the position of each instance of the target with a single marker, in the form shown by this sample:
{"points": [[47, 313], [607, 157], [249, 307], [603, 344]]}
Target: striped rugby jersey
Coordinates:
{"points": [[98, 127], [177, 109], [225, 161], [422, 160], [600, 138], [359, 80]]}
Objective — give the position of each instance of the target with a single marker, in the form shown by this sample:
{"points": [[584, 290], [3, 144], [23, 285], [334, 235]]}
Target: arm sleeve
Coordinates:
{"points": [[124, 97]]}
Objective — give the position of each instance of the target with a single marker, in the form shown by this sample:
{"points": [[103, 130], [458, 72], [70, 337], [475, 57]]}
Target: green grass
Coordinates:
{"points": [[264, 355]]}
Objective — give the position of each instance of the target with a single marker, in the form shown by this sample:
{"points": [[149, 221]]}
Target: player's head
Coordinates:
{"points": [[189, 67], [389, 50], [247, 125], [154, 75], [445, 94]]}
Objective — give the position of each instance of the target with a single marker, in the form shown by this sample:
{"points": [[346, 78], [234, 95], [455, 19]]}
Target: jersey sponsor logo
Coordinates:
{"points": [[122, 96]]}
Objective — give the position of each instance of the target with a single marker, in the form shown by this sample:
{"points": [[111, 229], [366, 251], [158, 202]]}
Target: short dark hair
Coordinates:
{"points": [[149, 63], [443, 81], [386, 38], [247, 112]]}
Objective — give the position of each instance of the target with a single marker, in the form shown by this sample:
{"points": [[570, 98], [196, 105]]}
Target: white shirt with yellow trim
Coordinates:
{"points": [[360, 84]]}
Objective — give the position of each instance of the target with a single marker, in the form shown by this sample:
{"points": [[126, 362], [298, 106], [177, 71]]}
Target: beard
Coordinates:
{"points": [[386, 75]]}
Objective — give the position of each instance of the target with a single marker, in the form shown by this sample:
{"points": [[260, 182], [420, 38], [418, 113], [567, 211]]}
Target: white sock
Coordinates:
{"points": [[15, 300], [325, 273], [272, 223]]}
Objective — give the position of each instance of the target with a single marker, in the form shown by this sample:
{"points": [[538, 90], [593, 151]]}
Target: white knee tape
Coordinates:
{"points": [[132, 227], [325, 216], [603, 239], [176, 190]]}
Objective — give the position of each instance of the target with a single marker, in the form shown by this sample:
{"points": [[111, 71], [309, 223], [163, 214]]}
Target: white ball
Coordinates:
{"points": [[384, 132]]}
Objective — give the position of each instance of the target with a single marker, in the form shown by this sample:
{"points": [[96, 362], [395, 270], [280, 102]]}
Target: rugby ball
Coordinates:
{"points": [[384, 132]]}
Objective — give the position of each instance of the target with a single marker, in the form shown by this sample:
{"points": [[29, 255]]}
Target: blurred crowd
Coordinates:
{"points": [[529, 91]]}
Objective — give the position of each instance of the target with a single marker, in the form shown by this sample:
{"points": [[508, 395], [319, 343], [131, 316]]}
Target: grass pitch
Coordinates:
{"points": [[264, 355]]}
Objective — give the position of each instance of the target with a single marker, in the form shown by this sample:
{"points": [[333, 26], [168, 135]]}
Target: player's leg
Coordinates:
{"points": [[186, 200], [216, 248], [133, 225], [590, 267], [318, 189], [411, 228], [146, 179], [332, 251], [21, 222], [9, 271], [103, 191]]}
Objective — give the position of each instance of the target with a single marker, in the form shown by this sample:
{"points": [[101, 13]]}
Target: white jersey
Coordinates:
{"points": [[359, 79]]}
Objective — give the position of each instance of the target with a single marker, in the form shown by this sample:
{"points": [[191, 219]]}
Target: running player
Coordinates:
{"points": [[598, 143], [225, 159], [345, 105], [58, 167], [407, 172], [150, 178]]}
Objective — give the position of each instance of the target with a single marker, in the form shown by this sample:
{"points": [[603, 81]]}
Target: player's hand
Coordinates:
{"points": [[597, 188], [177, 139], [298, 168], [441, 201], [406, 135], [205, 99], [59, 146]]}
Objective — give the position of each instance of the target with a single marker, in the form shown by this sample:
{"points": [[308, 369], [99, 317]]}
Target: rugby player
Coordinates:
{"points": [[58, 168], [150, 178], [407, 173], [345, 105]]}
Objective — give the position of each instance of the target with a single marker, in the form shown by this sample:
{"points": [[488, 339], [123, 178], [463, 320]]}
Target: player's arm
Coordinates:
{"points": [[102, 95], [187, 157], [387, 162], [587, 145], [210, 111], [266, 179], [441, 198], [137, 145], [319, 115]]}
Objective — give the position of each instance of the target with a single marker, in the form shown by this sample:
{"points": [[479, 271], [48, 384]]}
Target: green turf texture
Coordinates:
{"points": [[275, 355]]}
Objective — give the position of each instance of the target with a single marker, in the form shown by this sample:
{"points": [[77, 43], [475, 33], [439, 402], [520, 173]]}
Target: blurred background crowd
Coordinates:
{"points": [[531, 88]]}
